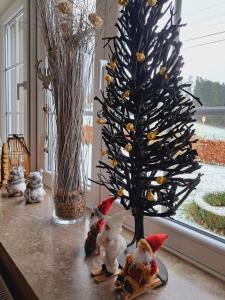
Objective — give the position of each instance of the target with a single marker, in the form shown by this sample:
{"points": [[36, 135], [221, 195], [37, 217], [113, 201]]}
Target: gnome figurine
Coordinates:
{"points": [[16, 183], [34, 192], [113, 243], [97, 223], [140, 268]]}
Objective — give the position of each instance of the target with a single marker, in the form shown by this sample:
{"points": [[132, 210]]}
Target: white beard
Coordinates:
{"points": [[141, 257]]}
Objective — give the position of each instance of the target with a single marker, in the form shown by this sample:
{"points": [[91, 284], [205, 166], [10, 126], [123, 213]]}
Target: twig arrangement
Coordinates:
{"points": [[68, 29], [147, 114]]}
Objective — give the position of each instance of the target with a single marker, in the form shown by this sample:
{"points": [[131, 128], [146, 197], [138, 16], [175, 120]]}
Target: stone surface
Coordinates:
{"points": [[51, 257]]}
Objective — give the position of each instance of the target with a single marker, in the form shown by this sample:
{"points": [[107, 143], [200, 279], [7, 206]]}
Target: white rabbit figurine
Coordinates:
{"points": [[35, 192], [16, 183]]}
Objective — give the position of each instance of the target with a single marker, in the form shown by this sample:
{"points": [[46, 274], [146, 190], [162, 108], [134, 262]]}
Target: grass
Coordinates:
{"points": [[207, 219], [215, 199]]}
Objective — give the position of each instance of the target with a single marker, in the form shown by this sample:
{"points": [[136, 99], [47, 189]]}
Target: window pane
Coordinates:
{"points": [[203, 49], [11, 44], [205, 207], [20, 39]]}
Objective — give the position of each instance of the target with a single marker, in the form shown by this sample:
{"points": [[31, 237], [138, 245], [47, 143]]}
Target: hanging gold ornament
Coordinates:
{"points": [[64, 8], [152, 135], [114, 163], [163, 72], [108, 78], [113, 65], [150, 196], [126, 95], [95, 20], [100, 121], [140, 56], [121, 192], [130, 127], [161, 180], [122, 2], [128, 147], [152, 2], [104, 152]]}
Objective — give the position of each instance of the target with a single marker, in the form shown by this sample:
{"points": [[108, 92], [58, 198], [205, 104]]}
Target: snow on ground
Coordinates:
{"points": [[213, 180]]}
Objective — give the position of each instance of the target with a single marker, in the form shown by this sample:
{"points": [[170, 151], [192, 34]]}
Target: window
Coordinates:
{"points": [[203, 51], [14, 77]]}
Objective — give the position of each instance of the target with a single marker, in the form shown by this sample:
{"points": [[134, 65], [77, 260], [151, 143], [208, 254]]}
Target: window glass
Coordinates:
{"points": [[14, 75], [203, 50]]}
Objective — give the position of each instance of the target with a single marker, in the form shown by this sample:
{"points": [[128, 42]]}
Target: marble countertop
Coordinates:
{"points": [[51, 258]]}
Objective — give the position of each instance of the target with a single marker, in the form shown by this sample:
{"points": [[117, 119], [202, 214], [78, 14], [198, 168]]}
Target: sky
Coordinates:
{"points": [[204, 17]]}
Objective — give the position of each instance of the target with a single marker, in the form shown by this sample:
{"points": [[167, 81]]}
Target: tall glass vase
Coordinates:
{"points": [[70, 208]]}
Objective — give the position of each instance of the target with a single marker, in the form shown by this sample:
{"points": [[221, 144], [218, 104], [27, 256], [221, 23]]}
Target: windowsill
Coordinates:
{"points": [[199, 249]]}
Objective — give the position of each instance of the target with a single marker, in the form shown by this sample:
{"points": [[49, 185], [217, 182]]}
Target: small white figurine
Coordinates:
{"points": [[34, 192], [114, 244], [16, 183]]}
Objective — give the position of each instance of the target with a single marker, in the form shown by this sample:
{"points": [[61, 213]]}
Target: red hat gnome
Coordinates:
{"points": [[96, 225], [141, 266], [104, 207]]}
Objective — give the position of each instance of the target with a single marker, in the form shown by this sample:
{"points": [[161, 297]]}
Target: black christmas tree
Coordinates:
{"points": [[147, 115]]}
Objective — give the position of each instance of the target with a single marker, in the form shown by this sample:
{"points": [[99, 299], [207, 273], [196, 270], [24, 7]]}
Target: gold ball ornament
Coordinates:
{"points": [[161, 180], [140, 56], [128, 147], [121, 192], [152, 2], [114, 163], [95, 20], [130, 127], [104, 152], [113, 65], [126, 95], [100, 121], [163, 72], [152, 135], [63, 7], [108, 78], [122, 2], [150, 196]]}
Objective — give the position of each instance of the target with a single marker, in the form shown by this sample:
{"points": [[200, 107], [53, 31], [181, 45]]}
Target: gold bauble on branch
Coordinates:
{"points": [[114, 163], [95, 20], [130, 127], [113, 65], [152, 2], [140, 56], [128, 147], [122, 2], [161, 180], [150, 196], [100, 121], [121, 192], [104, 152], [163, 72], [151, 135], [126, 95], [108, 78]]}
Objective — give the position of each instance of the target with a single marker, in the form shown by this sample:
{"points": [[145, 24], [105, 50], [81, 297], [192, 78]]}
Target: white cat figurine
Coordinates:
{"points": [[16, 183], [35, 192]]}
